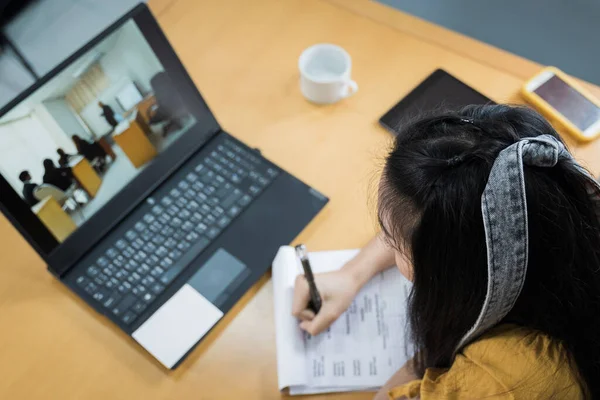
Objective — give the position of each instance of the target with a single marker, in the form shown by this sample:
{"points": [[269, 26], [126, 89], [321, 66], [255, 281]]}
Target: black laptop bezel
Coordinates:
{"points": [[62, 256]]}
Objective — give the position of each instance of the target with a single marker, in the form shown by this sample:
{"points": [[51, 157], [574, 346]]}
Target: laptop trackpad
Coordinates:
{"points": [[191, 312], [219, 277]]}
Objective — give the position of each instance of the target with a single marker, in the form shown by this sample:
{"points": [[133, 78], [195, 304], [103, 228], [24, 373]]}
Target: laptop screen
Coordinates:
{"points": [[83, 135]]}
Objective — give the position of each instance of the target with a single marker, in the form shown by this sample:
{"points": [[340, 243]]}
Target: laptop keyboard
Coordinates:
{"points": [[141, 264]]}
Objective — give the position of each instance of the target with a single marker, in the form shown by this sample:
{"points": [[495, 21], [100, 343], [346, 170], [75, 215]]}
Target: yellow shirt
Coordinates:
{"points": [[509, 362]]}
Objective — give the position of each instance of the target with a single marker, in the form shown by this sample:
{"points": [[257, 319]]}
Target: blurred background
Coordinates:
{"points": [[36, 35]]}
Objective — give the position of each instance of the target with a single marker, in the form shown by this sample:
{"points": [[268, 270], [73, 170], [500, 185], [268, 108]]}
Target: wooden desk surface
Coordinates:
{"points": [[243, 56]]}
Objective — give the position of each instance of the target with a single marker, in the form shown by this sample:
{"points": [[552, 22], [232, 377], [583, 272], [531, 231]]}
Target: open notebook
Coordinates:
{"points": [[360, 351]]}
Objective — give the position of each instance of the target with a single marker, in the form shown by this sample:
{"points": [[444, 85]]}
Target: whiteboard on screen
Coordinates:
{"points": [[128, 96]]}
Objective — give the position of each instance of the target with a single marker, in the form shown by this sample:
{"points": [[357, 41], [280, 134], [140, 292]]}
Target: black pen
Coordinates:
{"points": [[315, 298]]}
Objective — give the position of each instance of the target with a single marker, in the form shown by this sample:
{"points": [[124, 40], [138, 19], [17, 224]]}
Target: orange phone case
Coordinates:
{"points": [[553, 115]]}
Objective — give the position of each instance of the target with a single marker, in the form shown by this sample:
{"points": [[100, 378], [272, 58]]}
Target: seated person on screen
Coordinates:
{"points": [[64, 158], [92, 152], [109, 114], [28, 188], [459, 190], [60, 177]]}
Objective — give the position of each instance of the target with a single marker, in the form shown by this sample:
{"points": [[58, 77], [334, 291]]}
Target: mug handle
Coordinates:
{"points": [[350, 89]]}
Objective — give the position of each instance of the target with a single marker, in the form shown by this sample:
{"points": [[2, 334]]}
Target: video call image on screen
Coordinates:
{"points": [[80, 138]]}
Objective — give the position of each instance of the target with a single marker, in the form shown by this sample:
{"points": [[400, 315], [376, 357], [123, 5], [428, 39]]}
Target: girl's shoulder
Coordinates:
{"points": [[509, 362]]}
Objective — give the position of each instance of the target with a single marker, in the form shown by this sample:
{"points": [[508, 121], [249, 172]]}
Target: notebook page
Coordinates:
{"points": [[360, 351]]}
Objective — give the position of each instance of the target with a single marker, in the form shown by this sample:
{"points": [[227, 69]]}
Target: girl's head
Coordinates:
{"points": [[430, 211]]}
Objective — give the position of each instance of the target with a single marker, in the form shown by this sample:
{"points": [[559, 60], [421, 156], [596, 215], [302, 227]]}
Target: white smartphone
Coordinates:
{"points": [[563, 101]]}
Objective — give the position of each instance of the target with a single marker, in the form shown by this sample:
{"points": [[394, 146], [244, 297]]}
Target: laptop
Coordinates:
{"points": [[151, 213], [440, 90]]}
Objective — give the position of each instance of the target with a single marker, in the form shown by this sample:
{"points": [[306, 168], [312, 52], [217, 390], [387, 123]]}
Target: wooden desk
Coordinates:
{"points": [[131, 136], [243, 55], [58, 222], [86, 176]]}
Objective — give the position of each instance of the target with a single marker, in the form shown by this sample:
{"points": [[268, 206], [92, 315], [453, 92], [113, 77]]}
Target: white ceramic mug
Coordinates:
{"points": [[325, 74]]}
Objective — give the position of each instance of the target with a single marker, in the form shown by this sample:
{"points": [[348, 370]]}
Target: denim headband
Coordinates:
{"points": [[504, 209]]}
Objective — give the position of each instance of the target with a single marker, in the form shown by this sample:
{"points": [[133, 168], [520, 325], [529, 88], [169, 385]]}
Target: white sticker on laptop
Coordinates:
{"points": [[177, 326]]}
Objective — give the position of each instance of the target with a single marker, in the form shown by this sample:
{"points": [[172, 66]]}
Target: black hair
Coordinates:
{"points": [[430, 207], [48, 164], [24, 176]]}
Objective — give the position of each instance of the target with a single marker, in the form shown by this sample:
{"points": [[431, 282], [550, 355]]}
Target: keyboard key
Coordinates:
{"points": [[156, 227], [161, 251], [223, 221], [192, 206], [157, 288], [254, 190], [183, 185], [143, 269], [129, 317], [180, 234], [245, 200], [130, 235], [121, 244], [210, 220], [112, 253], [170, 243], [157, 210], [176, 222], [175, 254], [182, 202], [124, 287], [122, 274], [175, 193], [140, 256], [93, 271], [102, 262], [205, 209], [187, 226], [217, 211], [147, 234], [124, 305], [151, 247], [148, 280], [233, 211], [112, 300], [140, 226], [131, 265], [137, 243], [100, 295], [166, 201], [101, 279], [157, 271], [119, 261], [184, 215], [173, 210], [149, 218], [134, 278], [200, 228], [129, 252], [213, 232], [190, 195], [166, 263], [152, 260], [272, 172], [139, 290], [183, 245], [164, 218], [263, 181], [91, 288], [148, 297], [192, 237], [209, 190], [213, 201], [82, 281], [198, 186], [138, 307], [112, 283]]}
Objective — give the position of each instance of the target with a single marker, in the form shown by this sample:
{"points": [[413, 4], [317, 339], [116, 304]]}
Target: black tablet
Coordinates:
{"points": [[439, 90]]}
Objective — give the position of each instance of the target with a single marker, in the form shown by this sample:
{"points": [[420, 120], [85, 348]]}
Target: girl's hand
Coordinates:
{"points": [[337, 290]]}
